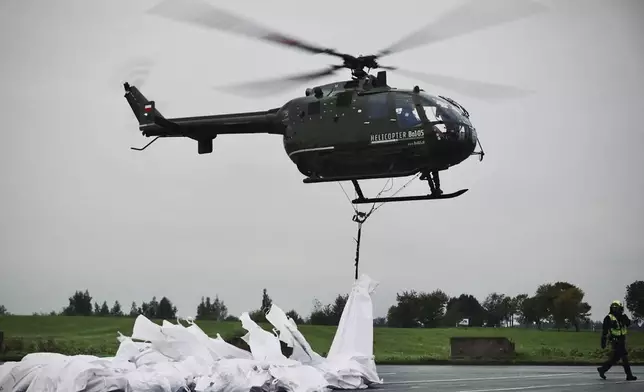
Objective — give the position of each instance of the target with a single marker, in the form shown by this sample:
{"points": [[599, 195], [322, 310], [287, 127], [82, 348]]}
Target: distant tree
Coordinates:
{"points": [[508, 309], [418, 309], [405, 314], [166, 310], [432, 308], [380, 322], [80, 304], [267, 302], [105, 310], [321, 314], [530, 312], [116, 309], [219, 309], [329, 314], [295, 317], [465, 306], [635, 300], [544, 302], [337, 308], [560, 304], [257, 316], [518, 306], [150, 309], [97, 308], [134, 310], [569, 308], [495, 306], [212, 310], [3, 311], [231, 318]]}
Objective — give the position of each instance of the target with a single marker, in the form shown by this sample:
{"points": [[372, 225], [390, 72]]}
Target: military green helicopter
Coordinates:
{"points": [[351, 130]]}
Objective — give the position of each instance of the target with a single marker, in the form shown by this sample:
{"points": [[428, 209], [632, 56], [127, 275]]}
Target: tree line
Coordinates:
{"points": [[558, 305]]}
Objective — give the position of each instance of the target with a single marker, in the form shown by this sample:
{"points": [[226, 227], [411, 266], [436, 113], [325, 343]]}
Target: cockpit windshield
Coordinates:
{"points": [[439, 109]]}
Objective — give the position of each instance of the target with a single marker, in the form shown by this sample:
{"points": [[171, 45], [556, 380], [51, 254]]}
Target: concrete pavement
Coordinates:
{"points": [[506, 378]]}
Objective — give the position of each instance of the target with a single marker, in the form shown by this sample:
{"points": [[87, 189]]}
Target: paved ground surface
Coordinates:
{"points": [[506, 378]]}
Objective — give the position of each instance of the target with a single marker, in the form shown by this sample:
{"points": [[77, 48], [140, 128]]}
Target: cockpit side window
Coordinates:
{"points": [[376, 106], [406, 112]]}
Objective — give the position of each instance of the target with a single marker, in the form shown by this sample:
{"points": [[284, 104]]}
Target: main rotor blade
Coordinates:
{"points": [[272, 86], [200, 13], [472, 16], [472, 88]]}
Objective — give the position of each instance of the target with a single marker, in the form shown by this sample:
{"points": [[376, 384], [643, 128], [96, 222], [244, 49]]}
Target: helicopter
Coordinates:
{"points": [[350, 130]]}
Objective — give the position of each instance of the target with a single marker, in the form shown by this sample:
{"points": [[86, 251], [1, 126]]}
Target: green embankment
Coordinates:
{"points": [[97, 336]]}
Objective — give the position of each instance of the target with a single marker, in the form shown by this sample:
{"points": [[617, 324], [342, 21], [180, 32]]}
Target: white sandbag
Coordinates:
{"points": [[354, 336], [105, 384], [6, 368], [227, 350], [78, 371], [179, 344], [289, 334], [129, 350], [16, 376], [218, 347], [147, 380], [263, 345], [234, 375], [299, 378], [60, 374], [175, 357], [146, 330], [150, 357]]}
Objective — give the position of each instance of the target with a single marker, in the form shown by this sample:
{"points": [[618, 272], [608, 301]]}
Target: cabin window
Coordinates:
{"points": [[376, 106], [344, 98], [406, 112], [314, 108]]}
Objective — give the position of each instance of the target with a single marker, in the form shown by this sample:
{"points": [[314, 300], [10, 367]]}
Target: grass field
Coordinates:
{"points": [[97, 336]]}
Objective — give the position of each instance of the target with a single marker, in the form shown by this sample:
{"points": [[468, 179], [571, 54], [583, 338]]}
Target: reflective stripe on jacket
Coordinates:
{"points": [[616, 328]]}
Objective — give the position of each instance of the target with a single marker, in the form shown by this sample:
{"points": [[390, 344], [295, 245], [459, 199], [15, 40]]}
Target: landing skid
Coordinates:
{"points": [[434, 185], [364, 200]]}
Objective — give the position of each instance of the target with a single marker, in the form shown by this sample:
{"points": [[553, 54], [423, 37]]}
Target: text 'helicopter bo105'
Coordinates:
{"points": [[355, 129]]}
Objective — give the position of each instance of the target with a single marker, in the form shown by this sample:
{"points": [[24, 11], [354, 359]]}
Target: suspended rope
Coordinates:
{"points": [[360, 217]]}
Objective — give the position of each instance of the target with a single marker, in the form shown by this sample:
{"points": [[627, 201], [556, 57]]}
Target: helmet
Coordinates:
{"points": [[616, 307]]}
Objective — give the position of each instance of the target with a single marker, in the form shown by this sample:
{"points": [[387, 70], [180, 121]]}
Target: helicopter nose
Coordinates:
{"points": [[467, 139], [465, 134], [473, 138]]}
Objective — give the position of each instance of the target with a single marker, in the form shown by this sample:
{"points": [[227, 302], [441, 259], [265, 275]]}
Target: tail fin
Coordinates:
{"points": [[143, 109], [146, 112]]}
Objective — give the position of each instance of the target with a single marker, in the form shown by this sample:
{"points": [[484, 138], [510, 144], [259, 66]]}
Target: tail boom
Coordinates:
{"points": [[201, 128]]}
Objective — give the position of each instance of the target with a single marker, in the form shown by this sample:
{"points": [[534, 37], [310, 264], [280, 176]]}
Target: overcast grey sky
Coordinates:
{"points": [[557, 197]]}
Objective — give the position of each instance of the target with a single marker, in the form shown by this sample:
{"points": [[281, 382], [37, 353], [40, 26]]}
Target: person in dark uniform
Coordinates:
{"points": [[614, 330]]}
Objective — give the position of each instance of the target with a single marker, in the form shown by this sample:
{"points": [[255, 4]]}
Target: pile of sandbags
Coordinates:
{"points": [[173, 357]]}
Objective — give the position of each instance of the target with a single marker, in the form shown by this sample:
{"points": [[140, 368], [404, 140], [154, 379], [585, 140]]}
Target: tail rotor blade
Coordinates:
{"points": [[472, 16], [472, 88], [136, 71]]}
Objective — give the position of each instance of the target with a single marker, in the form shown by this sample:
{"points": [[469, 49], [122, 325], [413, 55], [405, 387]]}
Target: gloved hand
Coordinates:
{"points": [[603, 343]]}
